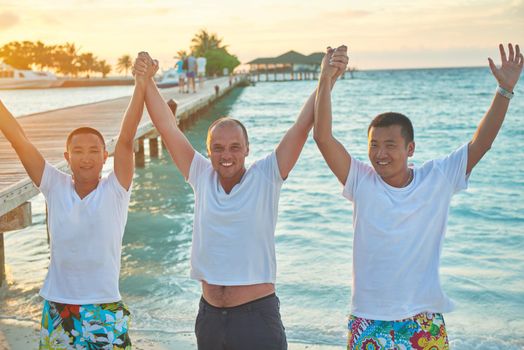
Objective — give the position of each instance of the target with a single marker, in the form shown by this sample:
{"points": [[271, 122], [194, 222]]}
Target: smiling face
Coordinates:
{"points": [[86, 155], [388, 152], [228, 149]]}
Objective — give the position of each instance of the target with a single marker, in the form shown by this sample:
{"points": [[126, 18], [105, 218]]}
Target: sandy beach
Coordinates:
{"points": [[23, 335]]}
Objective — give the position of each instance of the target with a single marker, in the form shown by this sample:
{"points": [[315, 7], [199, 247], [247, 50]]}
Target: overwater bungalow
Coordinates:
{"points": [[291, 65]]}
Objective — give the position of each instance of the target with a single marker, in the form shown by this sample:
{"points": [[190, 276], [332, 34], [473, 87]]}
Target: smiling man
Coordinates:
{"points": [[400, 216], [87, 215], [236, 208]]}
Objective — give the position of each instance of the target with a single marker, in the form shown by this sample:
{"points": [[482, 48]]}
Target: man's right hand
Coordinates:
{"points": [[334, 62], [144, 66]]}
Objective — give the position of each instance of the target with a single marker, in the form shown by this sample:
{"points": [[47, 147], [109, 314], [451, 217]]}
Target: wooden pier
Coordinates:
{"points": [[48, 132]]}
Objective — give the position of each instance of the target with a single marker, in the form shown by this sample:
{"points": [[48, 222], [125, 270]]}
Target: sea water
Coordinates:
{"points": [[482, 264]]}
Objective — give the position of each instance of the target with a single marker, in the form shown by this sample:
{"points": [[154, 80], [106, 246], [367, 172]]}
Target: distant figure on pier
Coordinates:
{"points": [[201, 70], [191, 72], [87, 215], [400, 216], [181, 75], [233, 249]]}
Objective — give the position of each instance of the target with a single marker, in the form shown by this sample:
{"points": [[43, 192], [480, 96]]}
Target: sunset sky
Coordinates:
{"points": [[379, 33]]}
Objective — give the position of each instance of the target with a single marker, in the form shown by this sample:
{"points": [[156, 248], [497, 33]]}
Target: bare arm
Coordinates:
{"points": [[123, 160], [177, 144], [290, 147], [334, 153], [31, 158], [507, 76]]}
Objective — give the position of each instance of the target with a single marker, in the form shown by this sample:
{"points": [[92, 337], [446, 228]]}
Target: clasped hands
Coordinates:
{"points": [[144, 66]]}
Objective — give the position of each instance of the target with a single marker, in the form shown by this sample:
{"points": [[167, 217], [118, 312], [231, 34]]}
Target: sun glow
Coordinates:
{"points": [[426, 33]]}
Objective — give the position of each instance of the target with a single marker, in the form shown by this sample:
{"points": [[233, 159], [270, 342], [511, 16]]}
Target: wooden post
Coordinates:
{"points": [[172, 106], [140, 160], [16, 219], [153, 147]]}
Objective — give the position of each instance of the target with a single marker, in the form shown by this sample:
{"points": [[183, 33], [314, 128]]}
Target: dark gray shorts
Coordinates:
{"points": [[253, 326]]}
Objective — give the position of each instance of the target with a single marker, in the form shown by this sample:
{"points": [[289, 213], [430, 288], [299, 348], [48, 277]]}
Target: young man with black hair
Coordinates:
{"points": [[400, 216], [87, 215]]}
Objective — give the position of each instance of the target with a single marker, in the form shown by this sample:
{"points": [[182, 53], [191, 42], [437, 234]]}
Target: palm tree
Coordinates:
{"points": [[65, 59], [42, 55], [18, 54], [87, 63], [124, 64], [104, 68], [181, 54], [204, 41]]}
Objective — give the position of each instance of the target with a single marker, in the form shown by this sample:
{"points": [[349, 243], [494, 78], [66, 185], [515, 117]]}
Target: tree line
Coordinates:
{"points": [[66, 59]]}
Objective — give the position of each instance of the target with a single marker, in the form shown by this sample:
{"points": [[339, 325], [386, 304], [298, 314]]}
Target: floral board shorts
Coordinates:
{"points": [[90, 326], [425, 331]]}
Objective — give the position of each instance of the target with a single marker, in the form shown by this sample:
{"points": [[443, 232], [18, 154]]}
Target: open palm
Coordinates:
{"points": [[509, 72]]}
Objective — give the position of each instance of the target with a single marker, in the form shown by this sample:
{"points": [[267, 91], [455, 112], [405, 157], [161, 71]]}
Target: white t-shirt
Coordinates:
{"points": [[201, 63], [86, 239], [233, 234], [398, 236]]}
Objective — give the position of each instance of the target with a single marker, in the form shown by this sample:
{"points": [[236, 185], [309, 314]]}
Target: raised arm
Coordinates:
{"points": [[289, 148], [176, 142], [31, 158], [336, 156], [123, 160], [507, 76]]}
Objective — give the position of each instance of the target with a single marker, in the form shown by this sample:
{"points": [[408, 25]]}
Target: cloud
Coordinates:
{"points": [[8, 20], [162, 11], [50, 20], [347, 14]]}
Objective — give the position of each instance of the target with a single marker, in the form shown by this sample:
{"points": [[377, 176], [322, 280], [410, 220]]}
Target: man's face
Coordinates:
{"points": [[86, 156], [388, 152], [228, 151]]}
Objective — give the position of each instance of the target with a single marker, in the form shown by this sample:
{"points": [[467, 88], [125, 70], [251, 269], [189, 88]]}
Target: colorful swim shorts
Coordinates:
{"points": [[424, 331], [91, 326]]}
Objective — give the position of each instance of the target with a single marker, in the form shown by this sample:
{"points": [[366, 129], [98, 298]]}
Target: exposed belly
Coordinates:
{"points": [[229, 296]]}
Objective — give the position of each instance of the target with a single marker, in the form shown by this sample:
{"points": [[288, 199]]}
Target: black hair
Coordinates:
{"points": [[384, 120], [84, 130]]}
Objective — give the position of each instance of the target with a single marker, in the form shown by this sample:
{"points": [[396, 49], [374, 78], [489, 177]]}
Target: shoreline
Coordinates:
{"points": [[24, 334]]}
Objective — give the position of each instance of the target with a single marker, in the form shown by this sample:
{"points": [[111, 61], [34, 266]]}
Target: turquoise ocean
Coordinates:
{"points": [[482, 264]]}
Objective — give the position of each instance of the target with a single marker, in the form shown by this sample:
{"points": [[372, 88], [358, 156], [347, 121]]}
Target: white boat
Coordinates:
{"points": [[169, 79], [12, 78]]}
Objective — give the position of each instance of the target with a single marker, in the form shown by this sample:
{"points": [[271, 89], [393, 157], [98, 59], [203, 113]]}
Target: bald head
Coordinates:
{"points": [[225, 122]]}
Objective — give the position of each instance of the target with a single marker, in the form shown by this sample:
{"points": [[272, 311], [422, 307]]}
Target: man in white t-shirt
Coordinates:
{"points": [[400, 216], [87, 215], [233, 248], [201, 70]]}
